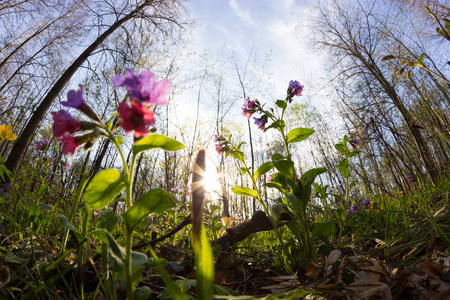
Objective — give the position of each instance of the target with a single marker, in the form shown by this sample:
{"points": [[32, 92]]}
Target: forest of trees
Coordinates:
{"points": [[397, 107], [387, 82]]}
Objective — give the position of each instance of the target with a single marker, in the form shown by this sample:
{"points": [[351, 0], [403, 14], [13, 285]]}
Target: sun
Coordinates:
{"points": [[210, 180]]}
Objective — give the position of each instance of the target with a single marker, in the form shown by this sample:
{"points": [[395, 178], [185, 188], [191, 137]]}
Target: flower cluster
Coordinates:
{"points": [[5, 192], [46, 175], [64, 123], [251, 107], [294, 89], [221, 144], [237, 218], [357, 202], [354, 142], [42, 145], [411, 179], [143, 91]]}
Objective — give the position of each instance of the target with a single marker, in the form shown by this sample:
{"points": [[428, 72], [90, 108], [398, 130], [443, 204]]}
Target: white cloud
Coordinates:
{"points": [[244, 15]]}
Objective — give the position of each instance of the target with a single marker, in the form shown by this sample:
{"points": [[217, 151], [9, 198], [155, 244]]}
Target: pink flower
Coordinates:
{"points": [[249, 108], [144, 87], [64, 122], [137, 118], [70, 144]]}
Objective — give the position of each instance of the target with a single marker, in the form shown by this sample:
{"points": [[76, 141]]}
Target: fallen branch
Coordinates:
{"points": [[258, 222], [180, 226]]}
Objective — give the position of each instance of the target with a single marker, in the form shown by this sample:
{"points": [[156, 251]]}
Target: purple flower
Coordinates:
{"points": [[75, 99], [67, 166], [354, 142], [175, 190], [295, 88], [144, 87], [42, 145], [366, 203], [221, 145], [353, 209], [261, 122], [410, 179]]}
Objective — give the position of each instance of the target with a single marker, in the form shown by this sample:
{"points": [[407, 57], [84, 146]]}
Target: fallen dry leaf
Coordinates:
{"points": [[431, 268], [313, 271], [376, 272]]}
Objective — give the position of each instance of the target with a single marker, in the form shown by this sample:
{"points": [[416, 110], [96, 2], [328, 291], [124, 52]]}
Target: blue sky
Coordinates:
{"points": [[279, 27]]}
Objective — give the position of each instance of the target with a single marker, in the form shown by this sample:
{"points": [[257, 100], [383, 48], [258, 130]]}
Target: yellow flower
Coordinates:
{"points": [[6, 133]]}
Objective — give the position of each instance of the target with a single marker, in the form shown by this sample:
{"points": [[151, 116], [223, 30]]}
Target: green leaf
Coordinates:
{"points": [[117, 250], [174, 291], [154, 141], [239, 190], [309, 176], [306, 182], [142, 293], [341, 148], [66, 223], [281, 104], [286, 167], [420, 59], [353, 153], [322, 230], [238, 155], [279, 124], [264, 168], [109, 220], [138, 261], [295, 203], [155, 201], [343, 167], [244, 171], [119, 139], [276, 185], [388, 57], [277, 156], [299, 134], [104, 187], [345, 139], [43, 189], [4, 170], [45, 207], [205, 268]]}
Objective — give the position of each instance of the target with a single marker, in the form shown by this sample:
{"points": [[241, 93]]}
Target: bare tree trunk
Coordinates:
{"points": [[21, 145]]}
